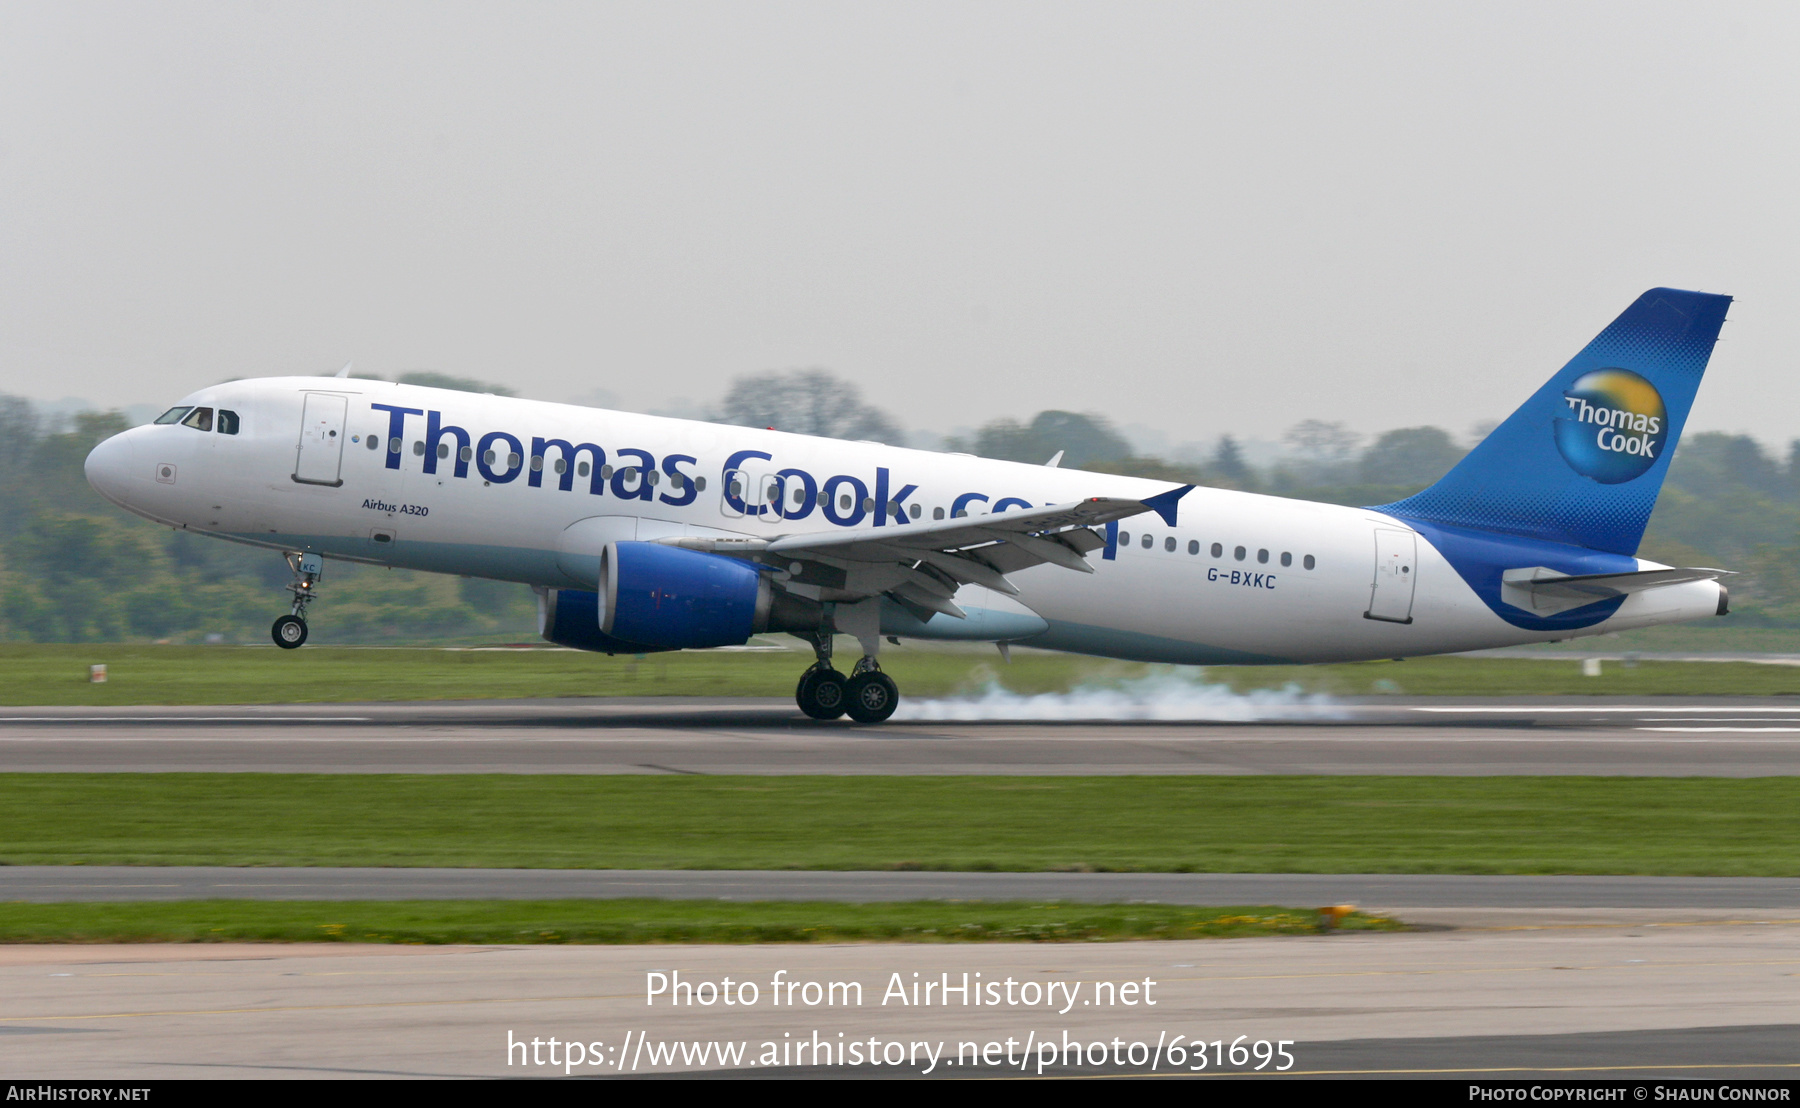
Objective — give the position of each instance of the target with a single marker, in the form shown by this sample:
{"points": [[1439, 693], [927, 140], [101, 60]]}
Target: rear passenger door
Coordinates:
{"points": [[1391, 596]]}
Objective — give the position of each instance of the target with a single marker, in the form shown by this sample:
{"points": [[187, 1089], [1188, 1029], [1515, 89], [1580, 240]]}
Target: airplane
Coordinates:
{"points": [[641, 533]]}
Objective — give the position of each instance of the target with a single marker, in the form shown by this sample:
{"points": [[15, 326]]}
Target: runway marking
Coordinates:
{"points": [[1468, 971], [311, 1008], [1524, 709], [1615, 926], [1726, 730], [367, 741], [187, 719]]}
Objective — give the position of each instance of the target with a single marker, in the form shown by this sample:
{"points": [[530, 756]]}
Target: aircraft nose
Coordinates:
{"points": [[109, 467]]}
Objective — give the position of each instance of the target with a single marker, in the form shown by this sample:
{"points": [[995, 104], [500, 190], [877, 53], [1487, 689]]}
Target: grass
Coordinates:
{"points": [[58, 675], [1647, 825], [645, 921]]}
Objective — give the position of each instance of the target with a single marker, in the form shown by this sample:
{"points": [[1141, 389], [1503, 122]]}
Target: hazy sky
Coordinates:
{"points": [[1201, 217]]}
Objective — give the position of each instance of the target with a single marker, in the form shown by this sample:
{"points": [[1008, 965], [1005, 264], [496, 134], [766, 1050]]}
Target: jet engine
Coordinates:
{"points": [[658, 597]]}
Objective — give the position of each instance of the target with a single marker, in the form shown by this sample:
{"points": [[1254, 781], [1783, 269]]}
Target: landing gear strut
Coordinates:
{"points": [[289, 632], [820, 693], [867, 695]]}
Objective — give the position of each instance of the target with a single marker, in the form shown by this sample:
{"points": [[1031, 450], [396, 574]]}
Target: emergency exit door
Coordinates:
{"points": [[321, 453], [1391, 597]]}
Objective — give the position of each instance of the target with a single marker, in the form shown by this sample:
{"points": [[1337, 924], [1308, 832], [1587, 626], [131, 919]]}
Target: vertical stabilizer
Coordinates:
{"points": [[1581, 462]]}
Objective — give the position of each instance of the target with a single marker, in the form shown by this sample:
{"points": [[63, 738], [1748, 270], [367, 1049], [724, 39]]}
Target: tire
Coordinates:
{"points": [[820, 693], [872, 697], [289, 632]]}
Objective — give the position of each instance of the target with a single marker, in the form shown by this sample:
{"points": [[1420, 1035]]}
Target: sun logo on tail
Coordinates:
{"points": [[1615, 426]]}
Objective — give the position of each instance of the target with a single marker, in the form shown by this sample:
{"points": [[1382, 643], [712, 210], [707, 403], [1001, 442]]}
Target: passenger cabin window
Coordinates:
{"points": [[1193, 546], [200, 419], [1262, 556], [1238, 553], [173, 415], [228, 422], [1218, 551], [1124, 538], [1169, 544], [1308, 563], [1286, 558]]}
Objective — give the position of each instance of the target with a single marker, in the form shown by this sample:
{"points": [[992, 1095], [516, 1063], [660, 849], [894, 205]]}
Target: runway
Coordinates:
{"points": [[1704, 1001], [1677, 736], [1407, 895]]}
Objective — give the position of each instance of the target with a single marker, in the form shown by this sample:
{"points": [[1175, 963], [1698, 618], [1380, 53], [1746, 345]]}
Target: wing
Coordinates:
{"points": [[922, 565]]}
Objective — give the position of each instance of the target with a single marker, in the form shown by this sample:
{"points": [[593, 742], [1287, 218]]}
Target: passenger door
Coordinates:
{"points": [[1391, 597], [321, 452]]}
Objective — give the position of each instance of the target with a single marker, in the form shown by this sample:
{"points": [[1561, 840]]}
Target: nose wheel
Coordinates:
{"points": [[289, 632]]}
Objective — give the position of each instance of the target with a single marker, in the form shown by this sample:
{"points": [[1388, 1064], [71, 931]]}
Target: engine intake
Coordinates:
{"points": [[673, 598]]}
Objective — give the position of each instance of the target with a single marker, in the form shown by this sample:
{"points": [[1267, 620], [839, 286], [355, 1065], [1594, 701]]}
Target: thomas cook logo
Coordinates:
{"points": [[1615, 425]]}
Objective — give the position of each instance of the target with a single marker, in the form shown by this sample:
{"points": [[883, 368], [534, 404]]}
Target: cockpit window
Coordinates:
{"points": [[200, 419], [228, 422], [173, 415]]}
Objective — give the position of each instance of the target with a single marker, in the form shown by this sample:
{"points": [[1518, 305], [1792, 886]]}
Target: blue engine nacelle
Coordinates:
{"points": [[571, 617], [673, 598], [657, 597]]}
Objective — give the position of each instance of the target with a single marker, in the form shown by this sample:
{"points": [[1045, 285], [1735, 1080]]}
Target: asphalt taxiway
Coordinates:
{"points": [[1674, 736]]}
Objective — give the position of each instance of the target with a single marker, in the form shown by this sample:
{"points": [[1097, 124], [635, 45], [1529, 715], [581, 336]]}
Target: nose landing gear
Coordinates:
{"points": [[289, 632]]}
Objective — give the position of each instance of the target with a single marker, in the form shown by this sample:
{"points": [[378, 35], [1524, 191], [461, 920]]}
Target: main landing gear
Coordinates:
{"points": [[289, 632], [866, 696]]}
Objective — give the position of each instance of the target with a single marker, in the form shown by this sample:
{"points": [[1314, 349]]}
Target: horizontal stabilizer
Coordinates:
{"points": [[1546, 592]]}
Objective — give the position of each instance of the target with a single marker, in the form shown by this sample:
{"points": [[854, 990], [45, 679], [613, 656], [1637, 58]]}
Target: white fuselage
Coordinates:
{"points": [[1301, 589]]}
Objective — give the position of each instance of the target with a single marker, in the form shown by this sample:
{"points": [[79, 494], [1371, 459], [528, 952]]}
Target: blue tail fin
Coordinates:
{"points": [[1581, 462]]}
